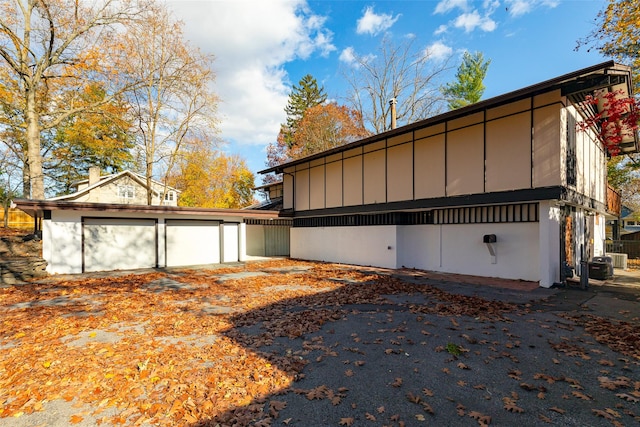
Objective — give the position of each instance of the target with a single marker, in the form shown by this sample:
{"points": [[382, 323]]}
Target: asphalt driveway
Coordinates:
{"points": [[309, 344]]}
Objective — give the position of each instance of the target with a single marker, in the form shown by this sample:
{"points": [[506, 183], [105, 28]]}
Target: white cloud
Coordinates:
{"points": [[441, 29], [252, 40], [473, 20], [348, 55], [490, 6], [518, 8], [438, 50], [445, 6], [372, 23]]}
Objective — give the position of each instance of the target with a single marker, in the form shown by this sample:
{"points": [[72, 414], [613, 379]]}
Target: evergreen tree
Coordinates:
{"points": [[468, 87], [301, 98]]}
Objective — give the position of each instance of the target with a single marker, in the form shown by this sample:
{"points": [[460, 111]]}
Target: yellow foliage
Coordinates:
{"points": [[212, 179]]}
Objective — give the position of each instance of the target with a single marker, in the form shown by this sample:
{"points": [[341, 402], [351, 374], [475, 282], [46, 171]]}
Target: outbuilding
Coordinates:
{"points": [[86, 237]]}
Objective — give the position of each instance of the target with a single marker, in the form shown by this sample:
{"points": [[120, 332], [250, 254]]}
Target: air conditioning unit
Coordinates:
{"points": [[618, 260]]}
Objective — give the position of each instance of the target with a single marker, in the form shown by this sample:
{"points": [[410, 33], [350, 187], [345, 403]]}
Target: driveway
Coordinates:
{"points": [[311, 344]]}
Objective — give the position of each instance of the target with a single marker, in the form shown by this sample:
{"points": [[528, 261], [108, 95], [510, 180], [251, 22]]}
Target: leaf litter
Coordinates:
{"points": [[187, 348]]}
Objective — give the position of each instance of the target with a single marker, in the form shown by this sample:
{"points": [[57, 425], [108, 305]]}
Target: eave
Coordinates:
{"points": [[37, 207]]}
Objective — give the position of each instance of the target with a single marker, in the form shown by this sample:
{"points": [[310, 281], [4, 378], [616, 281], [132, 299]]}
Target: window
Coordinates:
{"points": [[168, 196], [126, 191], [631, 223]]}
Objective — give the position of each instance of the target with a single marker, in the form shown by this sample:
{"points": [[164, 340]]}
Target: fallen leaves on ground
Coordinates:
{"points": [[187, 348]]}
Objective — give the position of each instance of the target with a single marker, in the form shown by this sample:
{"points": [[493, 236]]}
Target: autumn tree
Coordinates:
{"points": [[617, 34], [9, 186], [322, 127], [99, 138], [302, 97], [12, 133], [211, 179], [326, 126], [468, 87], [49, 47], [397, 71], [174, 101]]}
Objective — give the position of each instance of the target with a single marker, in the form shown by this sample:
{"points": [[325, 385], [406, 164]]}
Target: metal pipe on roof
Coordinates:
{"points": [[393, 103]]}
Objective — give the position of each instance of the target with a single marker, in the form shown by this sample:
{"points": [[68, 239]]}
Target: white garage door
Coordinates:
{"points": [[119, 244], [192, 242], [230, 242]]}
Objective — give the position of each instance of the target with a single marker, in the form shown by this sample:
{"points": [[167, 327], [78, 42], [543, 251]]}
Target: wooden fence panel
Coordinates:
{"points": [[17, 219]]}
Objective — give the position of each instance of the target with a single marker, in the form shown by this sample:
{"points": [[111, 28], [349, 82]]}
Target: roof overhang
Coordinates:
{"points": [[615, 79], [38, 207], [576, 86]]}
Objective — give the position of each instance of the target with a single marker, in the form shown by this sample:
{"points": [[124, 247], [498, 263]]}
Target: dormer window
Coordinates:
{"points": [[126, 191], [168, 197]]}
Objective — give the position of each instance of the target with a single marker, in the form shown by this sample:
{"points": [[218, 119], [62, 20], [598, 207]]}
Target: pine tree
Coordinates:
{"points": [[468, 87], [301, 98]]}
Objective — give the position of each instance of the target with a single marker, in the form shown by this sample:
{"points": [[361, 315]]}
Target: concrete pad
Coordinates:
{"points": [[102, 336], [289, 270], [241, 275], [166, 284]]}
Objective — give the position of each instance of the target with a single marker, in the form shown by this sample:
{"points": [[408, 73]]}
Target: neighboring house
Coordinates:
{"points": [[272, 194], [630, 220], [506, 187], [124, 188]]}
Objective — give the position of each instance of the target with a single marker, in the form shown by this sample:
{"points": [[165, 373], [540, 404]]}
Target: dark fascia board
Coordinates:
{"points": [[35, 207], [265, 186], [536, 89]]}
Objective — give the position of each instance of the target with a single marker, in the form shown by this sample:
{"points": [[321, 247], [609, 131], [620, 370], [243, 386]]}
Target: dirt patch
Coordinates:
{"points": [[17, 243]]}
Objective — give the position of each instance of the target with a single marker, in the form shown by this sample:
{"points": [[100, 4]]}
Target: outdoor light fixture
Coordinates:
{"points": [[490, 240]]}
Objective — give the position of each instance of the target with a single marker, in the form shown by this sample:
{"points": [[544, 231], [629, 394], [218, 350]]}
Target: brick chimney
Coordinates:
{"points": [[94, 175]]}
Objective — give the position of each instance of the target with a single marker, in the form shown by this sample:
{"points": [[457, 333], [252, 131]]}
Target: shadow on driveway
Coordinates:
{"points": [[410, 349]]}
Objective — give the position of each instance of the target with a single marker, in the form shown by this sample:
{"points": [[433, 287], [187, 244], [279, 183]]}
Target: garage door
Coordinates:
{"points": [[192, 242], [118, 244]]}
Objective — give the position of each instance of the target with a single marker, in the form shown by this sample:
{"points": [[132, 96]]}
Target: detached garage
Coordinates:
{"points": [[86, 237]]}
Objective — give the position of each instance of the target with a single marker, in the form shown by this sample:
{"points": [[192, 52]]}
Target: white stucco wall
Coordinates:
{"points": [[230, 238], [421, 247], [62, 242], [459, 248], [255, 240], [369, 246], [549, 243], [448, 248], [599, 234]]}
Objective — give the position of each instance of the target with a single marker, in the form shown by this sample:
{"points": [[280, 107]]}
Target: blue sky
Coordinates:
{"points": [[263, 47]]}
